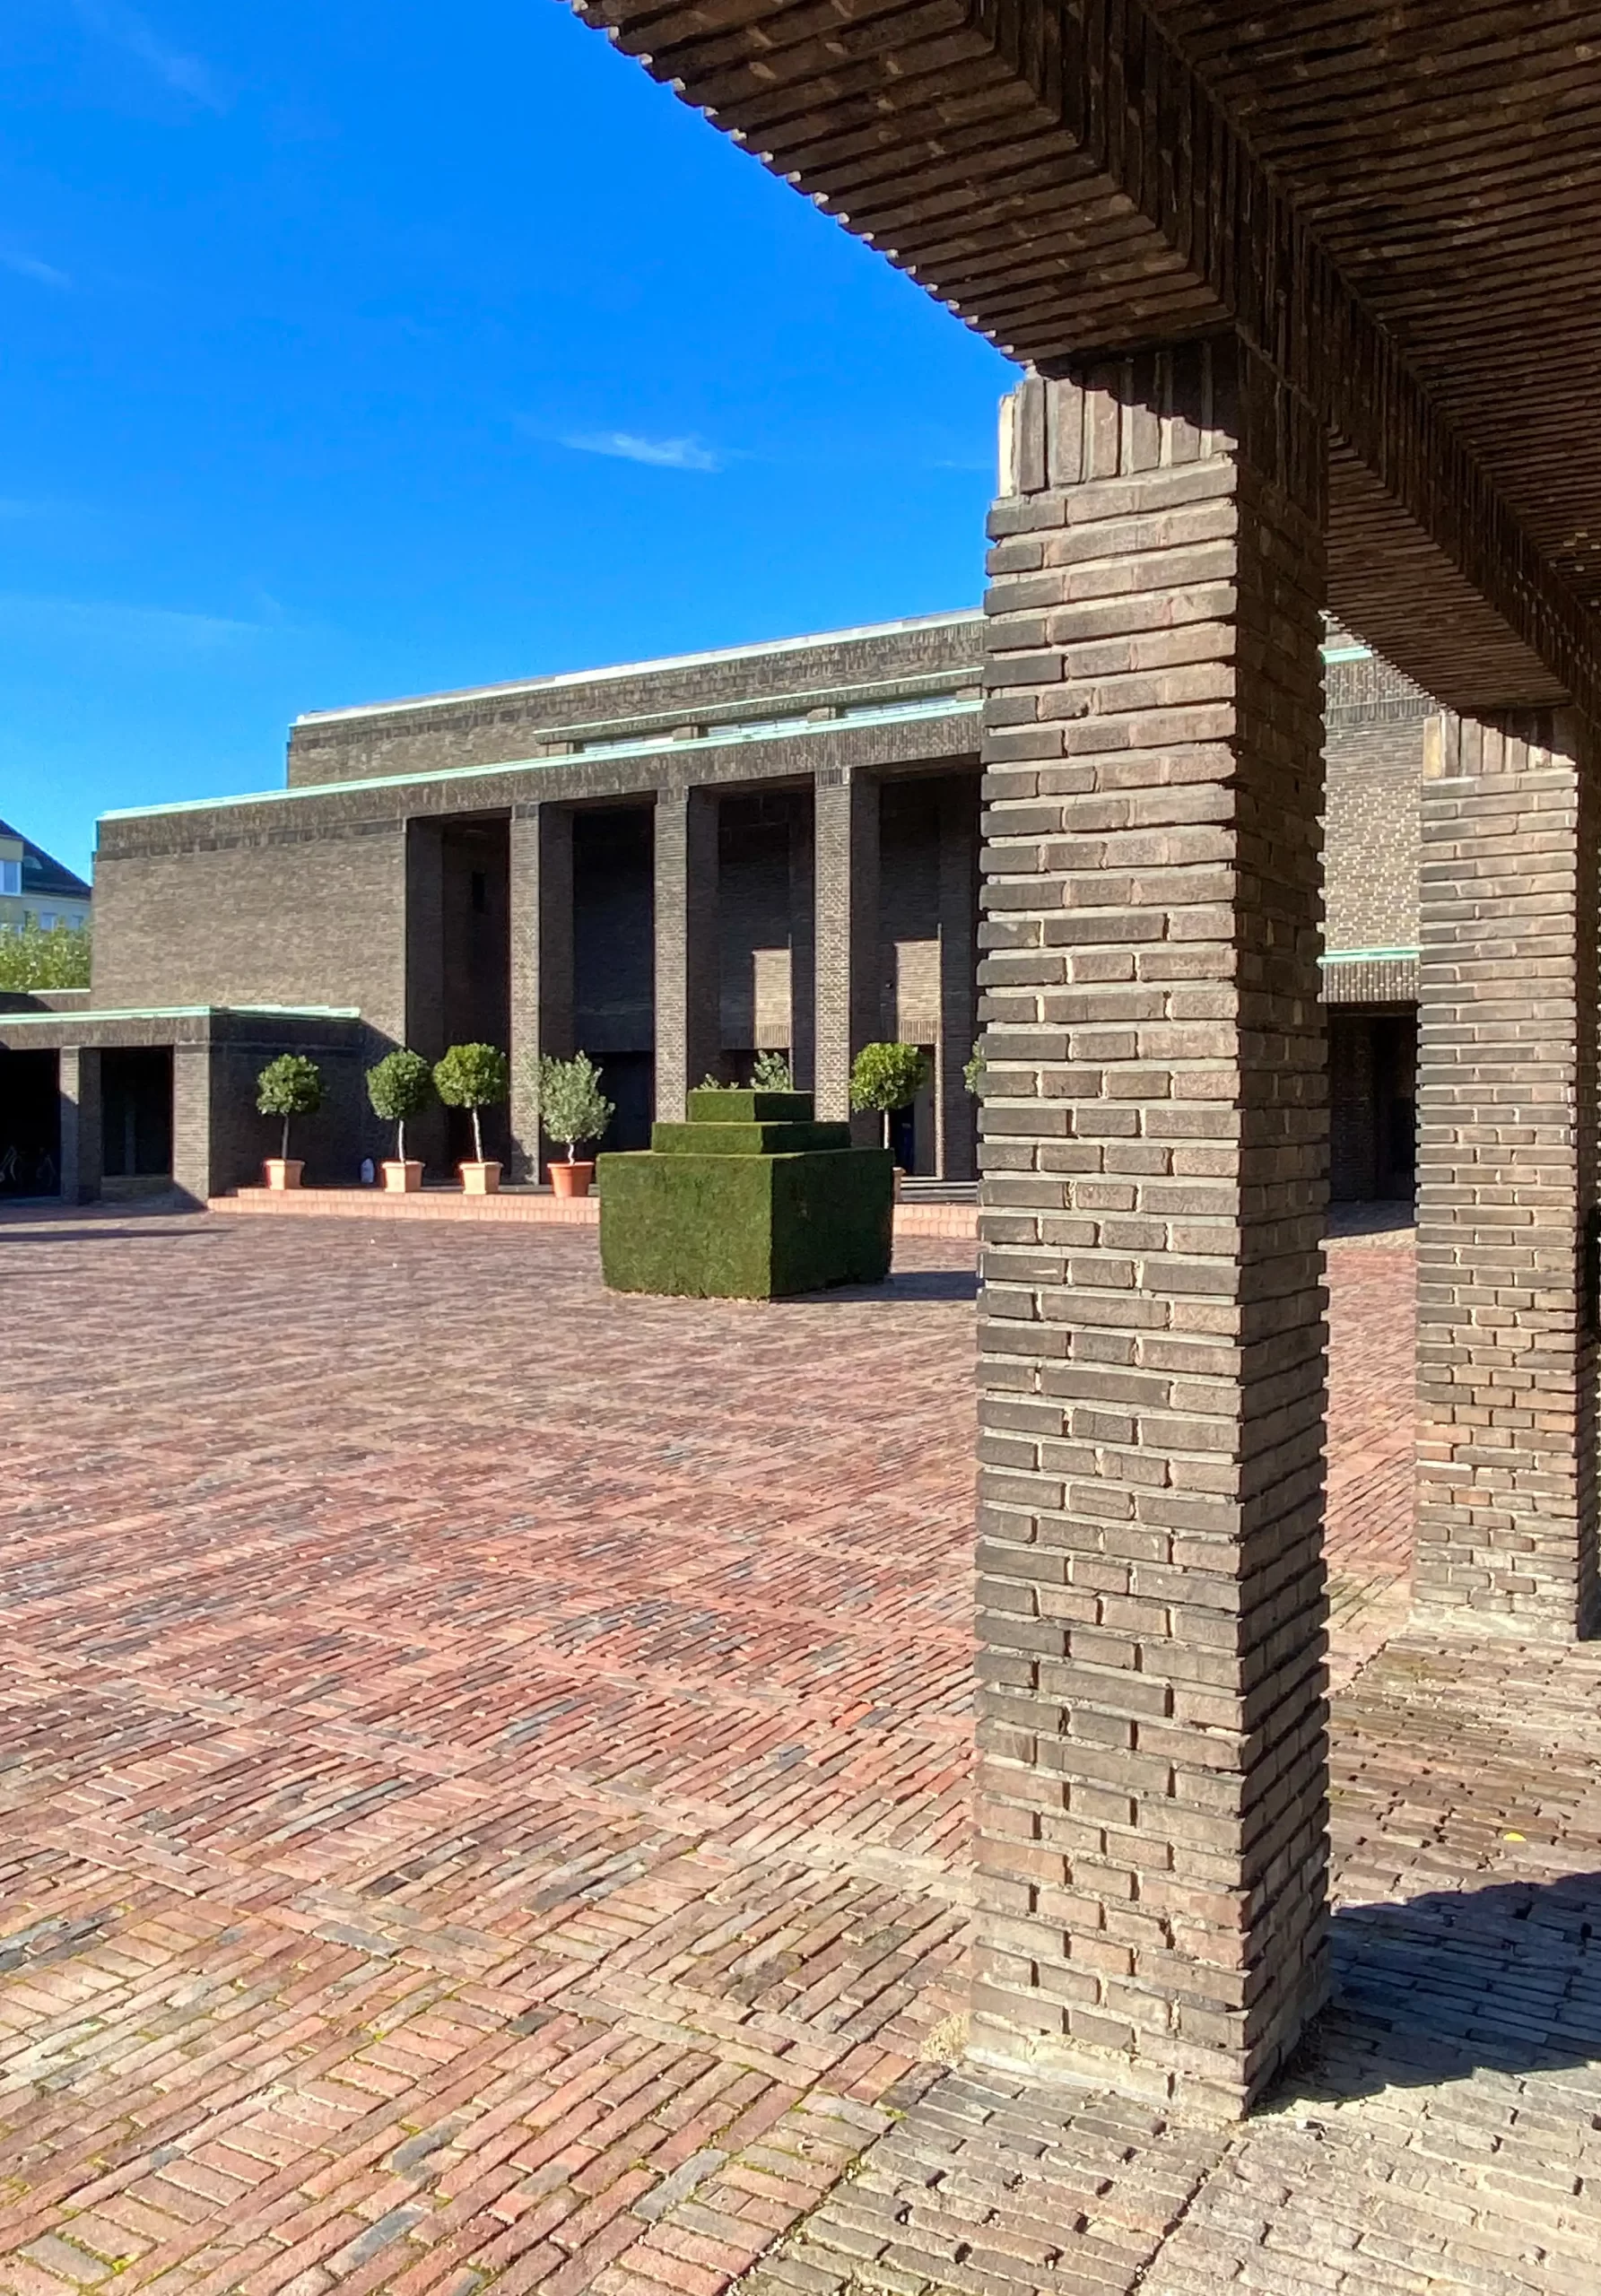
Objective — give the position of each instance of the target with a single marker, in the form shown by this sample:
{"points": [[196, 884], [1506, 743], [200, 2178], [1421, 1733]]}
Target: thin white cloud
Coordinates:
{"points": [[660, 454], [28, 266], [125, 28], [104, 623]]}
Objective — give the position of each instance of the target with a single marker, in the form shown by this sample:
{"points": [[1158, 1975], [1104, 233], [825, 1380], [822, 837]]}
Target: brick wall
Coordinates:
{"points": [[1376, 722], [318, 920], [520, 721]]}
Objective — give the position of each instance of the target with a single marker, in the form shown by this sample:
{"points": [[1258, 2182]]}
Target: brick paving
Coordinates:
{"points": [[484, 1763], [484, 1768]]}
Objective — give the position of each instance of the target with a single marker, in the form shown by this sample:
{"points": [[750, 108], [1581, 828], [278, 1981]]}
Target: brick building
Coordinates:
{"points": [[672, 865], [1305, 302]]}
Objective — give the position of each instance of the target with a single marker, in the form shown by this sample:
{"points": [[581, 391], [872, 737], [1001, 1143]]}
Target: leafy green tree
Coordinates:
{"points": [[289, 1086], [401, 1085], [884, 1077], [472, 1076], [571, 1105], [771, 1072], [972, 1071], [36, 956]]}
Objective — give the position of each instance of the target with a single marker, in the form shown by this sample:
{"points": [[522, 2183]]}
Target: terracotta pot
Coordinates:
{"points": [[283, 1171], [570, 1179], [480, 1180], [402, 1180]]}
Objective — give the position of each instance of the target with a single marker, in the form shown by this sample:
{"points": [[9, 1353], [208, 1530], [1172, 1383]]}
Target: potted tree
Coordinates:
{"points": [[401, 1085], [884, 1077], [474, 1076], [572, 1108], [287, 1087]]}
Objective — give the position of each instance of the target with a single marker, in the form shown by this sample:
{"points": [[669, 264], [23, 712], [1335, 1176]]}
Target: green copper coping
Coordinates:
{"points": [[882, 713], [1366, 956], [180, 1012]]}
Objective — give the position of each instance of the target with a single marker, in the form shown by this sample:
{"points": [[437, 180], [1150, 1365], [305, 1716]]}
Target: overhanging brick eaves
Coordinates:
{"points": [[1065, 180]]}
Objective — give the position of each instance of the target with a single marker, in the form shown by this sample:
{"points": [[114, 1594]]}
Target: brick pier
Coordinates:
{"points": [[1151, 1798]]}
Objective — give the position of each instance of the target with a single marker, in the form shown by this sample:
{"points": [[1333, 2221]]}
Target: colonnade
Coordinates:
{"points": [[842, 994]]}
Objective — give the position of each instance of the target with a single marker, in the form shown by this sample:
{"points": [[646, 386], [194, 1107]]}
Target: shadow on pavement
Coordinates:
{"points": [[1505, 1978], [908, 1283]]}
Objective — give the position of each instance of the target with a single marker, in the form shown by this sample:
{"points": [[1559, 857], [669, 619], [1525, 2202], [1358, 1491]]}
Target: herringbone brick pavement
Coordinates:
{"points": [[484, 1763]]}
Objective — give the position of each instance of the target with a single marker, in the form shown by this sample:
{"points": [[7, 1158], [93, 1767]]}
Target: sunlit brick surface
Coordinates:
{"points": [[484, 1763]]}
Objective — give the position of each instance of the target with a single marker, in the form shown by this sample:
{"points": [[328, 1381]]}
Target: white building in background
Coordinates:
{"points": [[36, 889]]}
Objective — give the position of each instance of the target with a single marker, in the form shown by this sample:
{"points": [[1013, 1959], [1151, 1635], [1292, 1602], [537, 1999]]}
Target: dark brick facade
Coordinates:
{"points": [[420, 901], [557, 716], [217, 1140], [840, 796]]}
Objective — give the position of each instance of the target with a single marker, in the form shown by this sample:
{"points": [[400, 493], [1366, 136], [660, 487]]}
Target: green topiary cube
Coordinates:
{"points": [[752, 1199]]}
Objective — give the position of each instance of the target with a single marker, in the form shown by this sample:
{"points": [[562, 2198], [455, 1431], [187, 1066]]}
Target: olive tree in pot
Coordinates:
{"points": [[474, 1076], [771, 1072], [287, 1087], [401, 1085], [884, 1077], [573, 1109]]}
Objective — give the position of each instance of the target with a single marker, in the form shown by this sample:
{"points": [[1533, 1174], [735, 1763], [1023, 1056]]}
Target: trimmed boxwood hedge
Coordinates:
{"points": [[712, 1211]]}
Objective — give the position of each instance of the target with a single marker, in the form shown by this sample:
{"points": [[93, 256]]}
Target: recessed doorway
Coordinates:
{"points": [[136, 1120], [30, 1124]]}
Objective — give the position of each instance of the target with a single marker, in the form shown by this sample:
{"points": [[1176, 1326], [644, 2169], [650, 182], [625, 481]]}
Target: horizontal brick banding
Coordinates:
{"points": [[1151, 1600]]}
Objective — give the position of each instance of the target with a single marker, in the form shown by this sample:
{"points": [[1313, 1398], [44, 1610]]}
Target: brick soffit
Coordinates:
{"points": [[1063, 180]]}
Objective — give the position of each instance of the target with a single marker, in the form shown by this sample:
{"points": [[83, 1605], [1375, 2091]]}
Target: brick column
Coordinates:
{"points": [[689, 1034], [803, 950], [955, 1114], [1506, 1178], [78, 1091], [845, 1003], [1151, 1799], [542, 965], [200, 1083]]}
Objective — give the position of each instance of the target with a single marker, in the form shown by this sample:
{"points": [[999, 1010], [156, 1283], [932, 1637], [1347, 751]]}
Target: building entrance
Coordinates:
{"points": [[30, 1124], [1372, 1085], [136, 1118], [613, 988]]}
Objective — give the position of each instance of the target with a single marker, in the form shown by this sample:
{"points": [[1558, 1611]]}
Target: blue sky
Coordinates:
{"points": [[354, 350]]}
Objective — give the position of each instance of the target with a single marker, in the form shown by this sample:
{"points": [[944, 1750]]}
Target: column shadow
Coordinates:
{"points": [[1505, 1978], [904, 1284]]}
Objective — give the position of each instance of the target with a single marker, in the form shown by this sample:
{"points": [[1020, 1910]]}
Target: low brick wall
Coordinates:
{"points": [[959, 1222]]}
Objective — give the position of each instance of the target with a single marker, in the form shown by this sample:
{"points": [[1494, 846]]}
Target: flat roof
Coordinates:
{"points": [[796, 728], [561, 679], [1338, 648]]}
